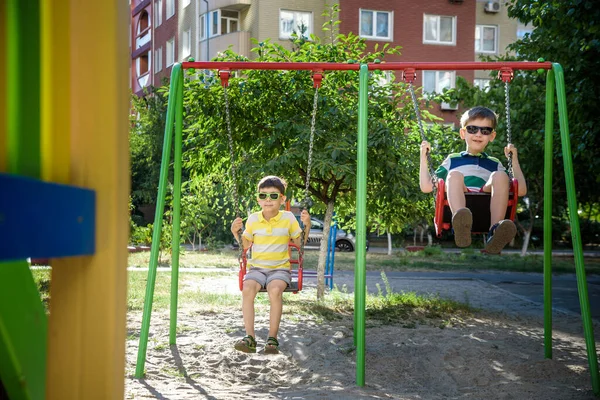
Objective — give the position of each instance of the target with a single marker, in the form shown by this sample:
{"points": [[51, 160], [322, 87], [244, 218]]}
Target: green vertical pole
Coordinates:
{"points": [[23, 87], [23, 320], [158, 217], [360, 274], [176, 211], [548, 155], [584, 302]]}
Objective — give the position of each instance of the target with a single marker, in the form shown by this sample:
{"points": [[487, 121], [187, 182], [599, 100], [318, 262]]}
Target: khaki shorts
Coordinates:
{"points": [[265, 275]]}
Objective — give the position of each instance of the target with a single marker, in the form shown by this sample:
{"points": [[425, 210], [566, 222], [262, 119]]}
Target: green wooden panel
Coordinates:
{"points": [[23, 87], [23, 332]]}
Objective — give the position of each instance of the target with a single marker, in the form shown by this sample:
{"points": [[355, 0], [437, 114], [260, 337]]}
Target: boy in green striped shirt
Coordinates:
{"points": [[475, 171]]}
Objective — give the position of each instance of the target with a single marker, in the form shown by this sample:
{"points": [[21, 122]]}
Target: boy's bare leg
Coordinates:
{"points": [[275, 290], [455, 187], [498, 186], [249, 292], [462, 219], [505, 231]]}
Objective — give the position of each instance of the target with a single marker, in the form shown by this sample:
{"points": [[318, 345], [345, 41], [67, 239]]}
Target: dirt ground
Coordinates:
{"points": [[491, 355]]}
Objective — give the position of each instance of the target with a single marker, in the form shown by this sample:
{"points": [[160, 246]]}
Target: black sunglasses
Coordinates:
{"points": [[485, 130], [272, 196]]}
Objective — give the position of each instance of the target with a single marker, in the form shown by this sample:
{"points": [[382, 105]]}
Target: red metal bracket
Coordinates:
{"points": [[317, 77], [224, 74], [506, 74], [409, 75]]}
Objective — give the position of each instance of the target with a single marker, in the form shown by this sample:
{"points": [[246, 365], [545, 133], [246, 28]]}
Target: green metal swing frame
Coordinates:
{"points": [[555, 88]]}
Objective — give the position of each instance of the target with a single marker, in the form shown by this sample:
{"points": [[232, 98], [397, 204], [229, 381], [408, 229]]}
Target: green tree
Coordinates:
{"points": [[271, 123], [567, 32], [145, 145]]}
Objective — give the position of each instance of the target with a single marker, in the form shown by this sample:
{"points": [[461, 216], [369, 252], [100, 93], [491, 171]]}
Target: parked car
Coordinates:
{"points": [[344, 241]]}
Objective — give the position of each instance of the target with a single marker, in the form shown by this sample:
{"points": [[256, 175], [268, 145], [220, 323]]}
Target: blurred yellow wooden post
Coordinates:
{"points": [[85, 143]]}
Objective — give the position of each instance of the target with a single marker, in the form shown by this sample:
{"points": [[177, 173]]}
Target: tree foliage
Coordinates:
{"points": [[270, 115]]}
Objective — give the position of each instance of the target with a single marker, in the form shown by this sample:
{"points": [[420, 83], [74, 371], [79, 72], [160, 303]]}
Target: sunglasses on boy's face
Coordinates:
{"points": [[485, 130], [272, 196]]}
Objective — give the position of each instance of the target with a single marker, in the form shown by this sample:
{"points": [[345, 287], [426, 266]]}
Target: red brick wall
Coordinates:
{"points": [[408, 32], [137, 7], [164, 32]]}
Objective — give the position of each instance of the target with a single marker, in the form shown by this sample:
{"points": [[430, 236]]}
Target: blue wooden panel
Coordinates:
{"points": [[45, 220]]}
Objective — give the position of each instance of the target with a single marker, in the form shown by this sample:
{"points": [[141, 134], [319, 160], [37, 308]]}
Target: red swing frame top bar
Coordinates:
{"points": [[387, 66]]}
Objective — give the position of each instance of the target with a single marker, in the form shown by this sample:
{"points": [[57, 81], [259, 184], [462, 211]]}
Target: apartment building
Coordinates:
{"points": [[169, 31]]}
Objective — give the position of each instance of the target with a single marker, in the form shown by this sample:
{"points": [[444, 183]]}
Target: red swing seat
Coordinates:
{"points": [[477, 202], [296, 258]]}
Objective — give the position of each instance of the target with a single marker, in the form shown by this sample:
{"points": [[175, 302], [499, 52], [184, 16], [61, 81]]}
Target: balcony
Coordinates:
{"points": [[237, 5], [239, 42], [143, 38]]}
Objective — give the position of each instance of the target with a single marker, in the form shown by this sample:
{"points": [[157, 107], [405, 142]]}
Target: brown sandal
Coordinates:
{"points": [[247, 344], [272, 346], [462, 221]]}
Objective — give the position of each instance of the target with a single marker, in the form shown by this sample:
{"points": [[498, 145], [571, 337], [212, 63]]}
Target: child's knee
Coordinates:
{"points": [[499, 179], [455, 178]]}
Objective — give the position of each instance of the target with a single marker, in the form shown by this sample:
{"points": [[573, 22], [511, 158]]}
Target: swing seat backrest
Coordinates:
{"points": [[296, 261], [478, 203]]}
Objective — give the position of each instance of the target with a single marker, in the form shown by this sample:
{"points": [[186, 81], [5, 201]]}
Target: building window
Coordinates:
{"points": [[170, 8], [158, 7], [186, 40], [376, 25], [299, 22], [482, 83], [522, 30], [203, 33], [144, 35], [142, 67], [158, 59], [485, 39], [218, 22], [185, 3], [439, 29], [229, 21], [170, 52], [437, 81]]}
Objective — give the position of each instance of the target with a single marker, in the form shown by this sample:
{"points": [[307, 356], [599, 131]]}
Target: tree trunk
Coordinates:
{"points": [[389, 238], [323, 251], [526, 237]]}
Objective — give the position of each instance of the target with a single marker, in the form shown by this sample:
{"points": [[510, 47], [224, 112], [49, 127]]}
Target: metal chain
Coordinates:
{"points": [[432, 173], [309, 166], [310, 145], [236, 199], [508, 128]]}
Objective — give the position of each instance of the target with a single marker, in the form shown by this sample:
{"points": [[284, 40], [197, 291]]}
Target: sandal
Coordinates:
{"points": [[247, 344], [272, 346], [500, 235], [462, 221]]}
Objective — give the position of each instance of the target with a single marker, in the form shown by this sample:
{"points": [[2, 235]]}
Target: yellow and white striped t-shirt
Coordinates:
{"points": [[270, 239]]}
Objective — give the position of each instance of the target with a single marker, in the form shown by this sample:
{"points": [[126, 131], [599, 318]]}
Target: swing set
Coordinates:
{"points": [[296, 253], [555, 86], [477, 202]]}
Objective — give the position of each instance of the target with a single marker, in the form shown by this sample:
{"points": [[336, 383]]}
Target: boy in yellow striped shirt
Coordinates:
{"points": [[268, 232]]}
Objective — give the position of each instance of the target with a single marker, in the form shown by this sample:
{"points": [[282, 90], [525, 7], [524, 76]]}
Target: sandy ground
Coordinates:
{"points": [[491, 355]]}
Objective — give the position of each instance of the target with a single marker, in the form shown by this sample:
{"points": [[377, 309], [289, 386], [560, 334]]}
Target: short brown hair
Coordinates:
{"points": [[478, 112], [273, 181]]}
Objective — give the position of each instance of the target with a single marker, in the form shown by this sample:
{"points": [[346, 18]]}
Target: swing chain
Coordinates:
{"points": [[310, 148], [306, 203], [508, 128], [434, 178], [236, 199]]}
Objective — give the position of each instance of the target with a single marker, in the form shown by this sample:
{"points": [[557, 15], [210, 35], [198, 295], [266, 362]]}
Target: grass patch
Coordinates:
{"points": [[429, 259]]}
